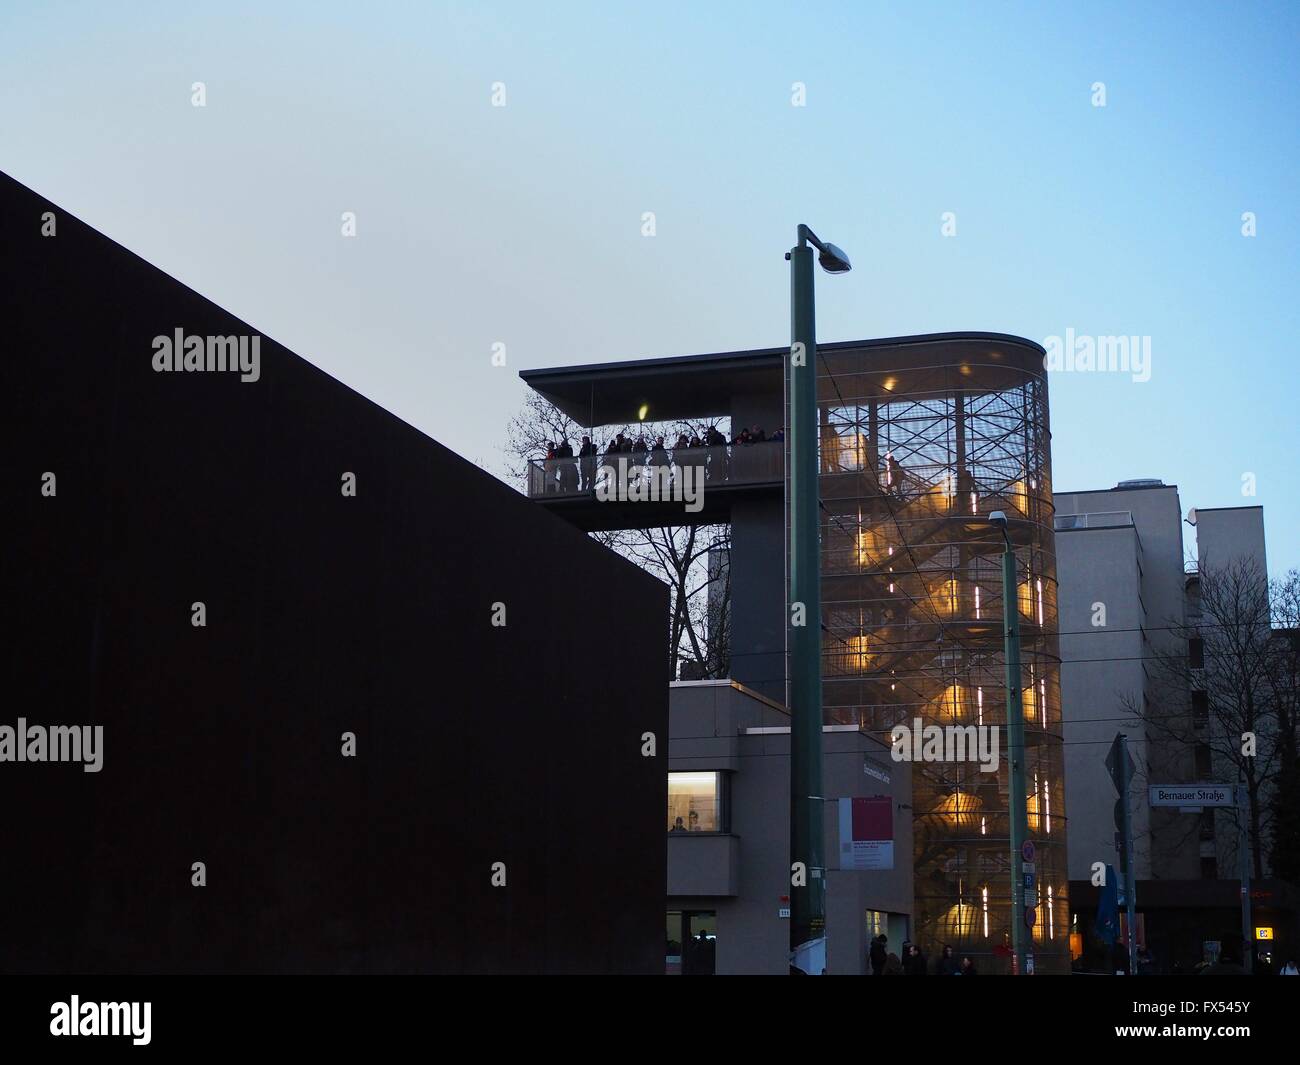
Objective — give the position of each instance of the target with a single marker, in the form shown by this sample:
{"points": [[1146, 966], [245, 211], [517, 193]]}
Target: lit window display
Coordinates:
{"points": [[695, 802]]}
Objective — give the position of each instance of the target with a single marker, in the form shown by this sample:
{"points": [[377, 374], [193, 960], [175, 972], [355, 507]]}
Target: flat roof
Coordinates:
{"points": [[727, 682], [695, 386], [1117, 488]]}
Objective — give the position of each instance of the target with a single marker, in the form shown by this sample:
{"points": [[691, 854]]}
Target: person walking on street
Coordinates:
{"points": [[947, 965], [878, 955]]}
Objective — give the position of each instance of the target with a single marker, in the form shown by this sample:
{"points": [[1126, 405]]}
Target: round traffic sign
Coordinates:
{"points": [[1027, 850], [1031, 915]]}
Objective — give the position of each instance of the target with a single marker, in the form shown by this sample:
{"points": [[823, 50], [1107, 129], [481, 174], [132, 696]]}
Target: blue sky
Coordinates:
{"points": [[522, 224]]}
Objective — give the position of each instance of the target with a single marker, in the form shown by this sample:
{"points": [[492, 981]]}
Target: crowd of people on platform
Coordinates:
{"points": [[711, 455]]}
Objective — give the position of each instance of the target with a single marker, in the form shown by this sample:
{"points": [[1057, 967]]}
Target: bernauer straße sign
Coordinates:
{"points": [[1192, 795]]}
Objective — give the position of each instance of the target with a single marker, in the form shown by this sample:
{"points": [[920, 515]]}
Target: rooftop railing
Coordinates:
{"points": [[1100, 519]]}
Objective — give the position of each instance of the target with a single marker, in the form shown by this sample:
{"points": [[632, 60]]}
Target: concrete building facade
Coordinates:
{"points": [[1132, 663], [728, 855]]}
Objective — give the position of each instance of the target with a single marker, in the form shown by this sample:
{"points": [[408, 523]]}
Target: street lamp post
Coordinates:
{"points": [[1015, 744], [807, 845]]}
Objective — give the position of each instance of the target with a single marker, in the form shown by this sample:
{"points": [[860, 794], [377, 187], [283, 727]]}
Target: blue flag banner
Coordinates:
{"points": [[1107, 927]]}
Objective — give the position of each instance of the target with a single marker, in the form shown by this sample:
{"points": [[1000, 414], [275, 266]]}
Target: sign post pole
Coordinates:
{"points": [[1120, 764], [1247, 940], [1130, 874]]}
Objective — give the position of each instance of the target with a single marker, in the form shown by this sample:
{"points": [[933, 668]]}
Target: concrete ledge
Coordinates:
{"points": [[703, 863]]}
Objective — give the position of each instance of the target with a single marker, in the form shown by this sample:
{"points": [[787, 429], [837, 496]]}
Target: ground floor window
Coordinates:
{"points": [[692, 942]]}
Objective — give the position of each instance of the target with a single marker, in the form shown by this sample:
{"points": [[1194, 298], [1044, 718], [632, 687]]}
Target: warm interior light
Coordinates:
{"points": [[958, 923], [1040, 805], [959, 809], [871, 547], [640, 414], [1020, 497], [953, 702], [691, 781], [946, 596], [693, 797], [942, 494], [856, 658]]}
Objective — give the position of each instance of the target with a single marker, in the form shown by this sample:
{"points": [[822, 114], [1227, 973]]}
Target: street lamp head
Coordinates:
{"points": [[999, 517], [833, 260]]}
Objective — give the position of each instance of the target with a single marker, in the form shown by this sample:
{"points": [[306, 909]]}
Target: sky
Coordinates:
{"points": [[523, 225]]}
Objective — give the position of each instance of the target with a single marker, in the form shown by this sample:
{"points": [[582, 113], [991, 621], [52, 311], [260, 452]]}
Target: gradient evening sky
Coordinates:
{"points": [[478, 224]]}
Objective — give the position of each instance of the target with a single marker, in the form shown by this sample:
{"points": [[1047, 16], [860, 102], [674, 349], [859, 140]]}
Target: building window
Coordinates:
{"points": [[695, 802], [1200, 708], [1196, 653], [1204, 762], [1207, 824], [1209, 869]]}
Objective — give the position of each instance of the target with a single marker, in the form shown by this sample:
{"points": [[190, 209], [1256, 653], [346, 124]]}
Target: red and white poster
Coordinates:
{"points": [[867, 832]]}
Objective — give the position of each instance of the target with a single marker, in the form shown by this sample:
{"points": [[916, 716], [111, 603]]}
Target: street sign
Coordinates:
{"points": [[1119, 774], [1031, 915], [1263, 932], [1027, 850], [1191, 795], [1027, 867], [1029, 881], [784, 911]]}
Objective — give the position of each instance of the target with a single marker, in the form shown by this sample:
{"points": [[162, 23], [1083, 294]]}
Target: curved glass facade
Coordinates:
{"points": [[920, 442]]}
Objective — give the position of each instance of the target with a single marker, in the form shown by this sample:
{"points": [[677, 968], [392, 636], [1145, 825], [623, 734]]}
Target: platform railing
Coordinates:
{"points": [[733, 464]]}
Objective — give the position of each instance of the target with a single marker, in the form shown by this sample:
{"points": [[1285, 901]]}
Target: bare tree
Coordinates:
{"points": [[699, 609], [1284, 681], [1215, 699]]}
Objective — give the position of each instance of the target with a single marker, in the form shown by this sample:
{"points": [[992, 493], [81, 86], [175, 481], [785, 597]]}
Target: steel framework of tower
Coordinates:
{"points": [[919, 444]]}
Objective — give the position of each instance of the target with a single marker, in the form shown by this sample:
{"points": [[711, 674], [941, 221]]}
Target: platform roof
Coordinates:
{"points": [[701, 386]]}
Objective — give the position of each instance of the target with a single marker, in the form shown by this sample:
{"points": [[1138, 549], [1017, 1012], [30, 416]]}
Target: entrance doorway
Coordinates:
{"points": [[692, 943]]}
